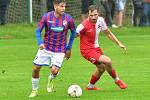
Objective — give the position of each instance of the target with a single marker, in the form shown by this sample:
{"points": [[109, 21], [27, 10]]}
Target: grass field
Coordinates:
{"points": [[18, 47]]}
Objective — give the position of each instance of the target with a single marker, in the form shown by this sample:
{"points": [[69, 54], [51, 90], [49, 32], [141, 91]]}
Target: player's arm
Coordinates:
{"points": [[39, 29], [71, 39], [80, 27], [112, 37], [77, 35]]}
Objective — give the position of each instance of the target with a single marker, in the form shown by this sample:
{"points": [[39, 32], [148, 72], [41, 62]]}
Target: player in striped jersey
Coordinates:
{"points": [[54, 48]]}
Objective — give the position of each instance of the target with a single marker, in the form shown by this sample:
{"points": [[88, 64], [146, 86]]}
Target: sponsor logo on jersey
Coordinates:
{"points": [[90, 30], [51, 21], [57, 29]]}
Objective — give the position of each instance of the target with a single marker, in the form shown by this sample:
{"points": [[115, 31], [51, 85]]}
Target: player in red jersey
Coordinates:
{"points": [[89, 31]]}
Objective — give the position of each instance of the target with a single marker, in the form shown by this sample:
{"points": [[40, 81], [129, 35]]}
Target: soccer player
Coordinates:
{"points": [[54, 48], [89, 31]]}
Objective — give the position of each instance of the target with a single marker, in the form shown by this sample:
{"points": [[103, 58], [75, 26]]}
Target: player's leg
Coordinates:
{"points": [[35, 80], [42, 58], [56, 62], [99, 70], [108, 66], [120, 9], [93, 56], [53, 73]]}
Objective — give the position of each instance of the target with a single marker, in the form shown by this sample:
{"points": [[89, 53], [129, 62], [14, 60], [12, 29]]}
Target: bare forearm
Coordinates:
{"points": [[112, 37]]}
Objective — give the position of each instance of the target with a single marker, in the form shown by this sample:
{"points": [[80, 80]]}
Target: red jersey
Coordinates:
{"points": [[89, 33]]}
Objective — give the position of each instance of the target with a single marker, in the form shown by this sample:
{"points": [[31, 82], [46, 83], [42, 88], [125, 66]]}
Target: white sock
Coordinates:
{"points": [[51, 76], [116, 79], [35, 82], [90, 85]]}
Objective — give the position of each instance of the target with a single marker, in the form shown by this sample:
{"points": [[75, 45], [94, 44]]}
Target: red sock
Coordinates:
{"points": [[94, 79], [113, 74]]}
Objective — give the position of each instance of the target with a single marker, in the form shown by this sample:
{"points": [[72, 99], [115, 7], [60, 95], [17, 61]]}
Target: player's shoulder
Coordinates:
{"points": [[85, 21], [68, 16], [100, 18], [50, 13]]}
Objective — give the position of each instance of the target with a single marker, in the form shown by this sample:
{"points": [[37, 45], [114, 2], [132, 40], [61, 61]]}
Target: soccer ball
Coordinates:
{"points": [[74, 91]]}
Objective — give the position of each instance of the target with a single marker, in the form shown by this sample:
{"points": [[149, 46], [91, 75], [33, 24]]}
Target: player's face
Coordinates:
{"points": [[60, 8], [93, 16]]}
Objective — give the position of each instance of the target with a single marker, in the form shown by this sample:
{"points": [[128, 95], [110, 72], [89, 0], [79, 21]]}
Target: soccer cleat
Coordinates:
{"points": [[34, 93], [94, 88], [121, 84], [50, 87]]}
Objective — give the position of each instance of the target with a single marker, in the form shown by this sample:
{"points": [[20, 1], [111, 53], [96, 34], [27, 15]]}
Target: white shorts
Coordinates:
{"points": [[45, 57]]}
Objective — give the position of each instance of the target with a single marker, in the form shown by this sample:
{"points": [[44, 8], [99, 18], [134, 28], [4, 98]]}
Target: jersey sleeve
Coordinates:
{"points": [[80, 28], [103, 24], [39, 29], [72, 24], [72, 27]]}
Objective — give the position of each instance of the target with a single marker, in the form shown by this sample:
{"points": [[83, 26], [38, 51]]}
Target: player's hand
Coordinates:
{"points": [[123, 47], [42, 46], [77, 35], [67, 54]]}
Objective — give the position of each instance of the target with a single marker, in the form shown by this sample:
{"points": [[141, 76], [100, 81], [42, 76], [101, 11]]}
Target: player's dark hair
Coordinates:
{"points": [[58, 1], [94, 7]]}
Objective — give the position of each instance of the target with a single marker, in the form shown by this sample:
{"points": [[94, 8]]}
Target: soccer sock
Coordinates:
{"points": [[93, 80], [90, 85], [35, 82], [114, 75], [51, 76]]}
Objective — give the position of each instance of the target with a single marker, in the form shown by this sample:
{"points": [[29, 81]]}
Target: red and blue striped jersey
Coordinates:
{"points": [[56, 29]]}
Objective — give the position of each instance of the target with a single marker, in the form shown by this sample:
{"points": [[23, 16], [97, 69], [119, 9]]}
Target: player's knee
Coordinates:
{"points": [[101, 70], [105, 60], [36, 69], [108, 61], [54, 72], [101, 67]]}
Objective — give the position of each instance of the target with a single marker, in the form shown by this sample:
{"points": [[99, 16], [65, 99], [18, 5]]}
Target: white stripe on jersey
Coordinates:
{"points": [[100, 25], [79, 28]]}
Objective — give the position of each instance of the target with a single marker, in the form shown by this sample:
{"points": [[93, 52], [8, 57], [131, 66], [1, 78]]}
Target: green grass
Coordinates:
{"points": [[18, 47]]}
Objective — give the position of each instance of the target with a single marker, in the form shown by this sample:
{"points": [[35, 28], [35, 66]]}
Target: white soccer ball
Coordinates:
{"points": [[74, 91]]}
